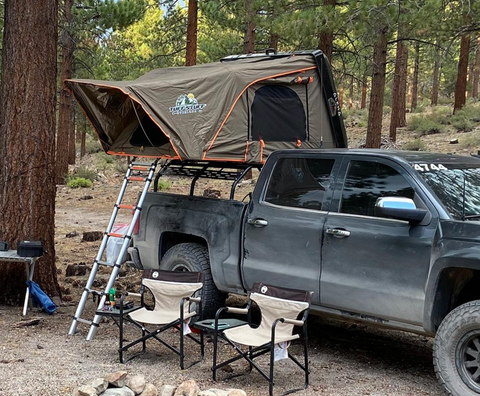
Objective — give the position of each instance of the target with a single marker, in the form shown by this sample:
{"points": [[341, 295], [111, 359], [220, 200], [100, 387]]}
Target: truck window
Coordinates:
{"points": [[299, 182], [366, 181]]}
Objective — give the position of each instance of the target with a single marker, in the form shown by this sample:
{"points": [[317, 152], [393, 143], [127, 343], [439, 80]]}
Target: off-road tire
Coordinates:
{"points": [[194, 257], [458, 330]]}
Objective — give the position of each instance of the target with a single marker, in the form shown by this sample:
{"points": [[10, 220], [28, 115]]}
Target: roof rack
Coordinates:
{"points": [[269, 52], [217, 170]]}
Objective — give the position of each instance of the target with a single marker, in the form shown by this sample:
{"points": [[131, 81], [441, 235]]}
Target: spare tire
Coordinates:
{"points": [[193, 257]]}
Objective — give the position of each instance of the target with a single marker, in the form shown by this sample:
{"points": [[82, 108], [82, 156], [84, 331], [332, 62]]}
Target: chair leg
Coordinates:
{"points": [[181, 345], [305, 352], [272, 363], [120, 341], [250, 356], [202, 346], [144, 344], [214, 367]]}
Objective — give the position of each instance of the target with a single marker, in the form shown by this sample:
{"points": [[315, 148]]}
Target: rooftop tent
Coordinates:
{"points": [[239, 109]]}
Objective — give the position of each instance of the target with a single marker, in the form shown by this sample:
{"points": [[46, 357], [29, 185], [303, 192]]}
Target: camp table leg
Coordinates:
{"points": [[30, 267]]}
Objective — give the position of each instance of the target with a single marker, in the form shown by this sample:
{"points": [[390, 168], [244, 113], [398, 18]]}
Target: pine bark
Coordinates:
{"points": [[274, 37], [375, 111], [476, 70], [192, 26], [363, 103], [83, 136], [416, 69], [326, 37], [65, 110], [340, 97], [27, 140], [249, 35], [399, 90], [461, 84], [350, 93], [435, 78]]}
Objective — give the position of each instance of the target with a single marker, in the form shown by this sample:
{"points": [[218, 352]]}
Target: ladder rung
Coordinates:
{"points": [[136, 178], [140, 168], [146, 164], [89, 322], [113, 234], [107, 263], [121, 206]]}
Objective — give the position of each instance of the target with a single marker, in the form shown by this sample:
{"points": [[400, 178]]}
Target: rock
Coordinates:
{"points": [[100, 385], [117, 379], [137, 383], [71, 234], [87, 390], [76, 270], [149, 390], [123, 391], [187, 388], [92, 236], [85, 198], [208, 392], [227, 369], [237, 392], [454, 141], [167, 390]]}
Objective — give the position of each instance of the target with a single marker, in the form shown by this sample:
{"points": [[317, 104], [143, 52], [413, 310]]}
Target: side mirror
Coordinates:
{"points": [[399, 208]]}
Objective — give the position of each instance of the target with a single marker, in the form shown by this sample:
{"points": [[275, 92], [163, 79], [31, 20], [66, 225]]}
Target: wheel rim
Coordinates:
{"points": [[468, 359], [179, 267]]}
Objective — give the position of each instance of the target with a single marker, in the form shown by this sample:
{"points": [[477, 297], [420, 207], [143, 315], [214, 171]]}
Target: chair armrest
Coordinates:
{"points": [[235, 310], [294, 322], [133, 294], [194, 299]]}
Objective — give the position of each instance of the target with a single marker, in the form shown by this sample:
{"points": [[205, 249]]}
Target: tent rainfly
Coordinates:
{"points": [[239, 109]]}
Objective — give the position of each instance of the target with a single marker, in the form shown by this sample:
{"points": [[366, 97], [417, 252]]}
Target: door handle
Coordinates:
{"points": [[336, 232], [258, 222]]}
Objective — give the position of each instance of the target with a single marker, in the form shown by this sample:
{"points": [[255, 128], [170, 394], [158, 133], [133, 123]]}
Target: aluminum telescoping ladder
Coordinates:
{"points": [[134, 173]]}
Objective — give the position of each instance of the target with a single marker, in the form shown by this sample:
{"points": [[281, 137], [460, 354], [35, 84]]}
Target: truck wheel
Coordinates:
{"points": [[456, 353], [194, 257]]}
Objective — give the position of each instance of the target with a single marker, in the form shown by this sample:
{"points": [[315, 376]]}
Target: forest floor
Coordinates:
{"points": [[345, 359]]}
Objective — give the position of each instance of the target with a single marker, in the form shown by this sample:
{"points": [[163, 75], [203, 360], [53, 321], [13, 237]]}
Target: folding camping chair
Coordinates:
{"points": [[173, 293], [280, 309]]}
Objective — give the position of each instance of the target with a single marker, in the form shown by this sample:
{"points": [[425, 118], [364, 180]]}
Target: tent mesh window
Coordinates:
{"points": [[278, 115]]}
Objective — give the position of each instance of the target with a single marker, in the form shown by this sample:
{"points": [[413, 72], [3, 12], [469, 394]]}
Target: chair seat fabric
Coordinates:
{"points": [[144, 315], [247, 335]]}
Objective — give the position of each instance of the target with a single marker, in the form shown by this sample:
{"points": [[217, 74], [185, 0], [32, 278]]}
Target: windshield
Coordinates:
{"points": [[449, 181]]}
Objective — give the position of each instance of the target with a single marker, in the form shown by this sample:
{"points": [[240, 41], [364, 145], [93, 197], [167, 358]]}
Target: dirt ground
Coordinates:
{"points": [[344, 359]]}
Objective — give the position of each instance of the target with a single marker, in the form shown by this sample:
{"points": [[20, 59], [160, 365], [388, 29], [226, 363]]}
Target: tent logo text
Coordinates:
{"points": [[186, 104]]}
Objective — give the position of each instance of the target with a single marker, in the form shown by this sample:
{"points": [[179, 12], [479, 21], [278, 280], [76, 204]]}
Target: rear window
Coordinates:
{"points": [[299, 183]]}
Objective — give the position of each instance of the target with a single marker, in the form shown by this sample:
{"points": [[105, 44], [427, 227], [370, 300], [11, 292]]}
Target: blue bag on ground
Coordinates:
{"points": [[40, 298]]}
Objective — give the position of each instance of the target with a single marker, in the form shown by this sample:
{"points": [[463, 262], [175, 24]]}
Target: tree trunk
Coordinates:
{"points": [[416, 68], [375, 111], [274, 37], [350, 93], [476, 70], [363, 103], [461, 84], [326, 37], [249, 36], [27, 140], [65, 110], [83, 136], [192, 22], [340, 97], [470, 79], [399, 88], [436, 77]]}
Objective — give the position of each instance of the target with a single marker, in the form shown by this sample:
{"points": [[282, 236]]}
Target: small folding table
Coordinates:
{"points": [[12, 256]]}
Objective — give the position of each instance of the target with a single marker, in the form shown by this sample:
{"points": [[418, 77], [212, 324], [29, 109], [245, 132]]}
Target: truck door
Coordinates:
{"points": [[374, 266], [284, 223]]}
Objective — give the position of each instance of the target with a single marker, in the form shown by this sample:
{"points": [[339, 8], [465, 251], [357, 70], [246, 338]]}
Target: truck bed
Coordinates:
{"points": [[210, 219]]}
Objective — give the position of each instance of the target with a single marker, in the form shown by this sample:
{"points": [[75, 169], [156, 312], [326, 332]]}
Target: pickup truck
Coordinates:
{"points": [[387, 238]]}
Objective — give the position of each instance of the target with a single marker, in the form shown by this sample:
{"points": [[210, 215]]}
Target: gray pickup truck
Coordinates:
{"points": [[387, 238]]}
